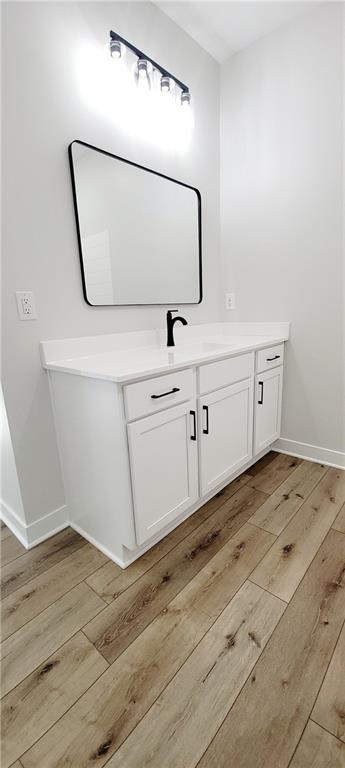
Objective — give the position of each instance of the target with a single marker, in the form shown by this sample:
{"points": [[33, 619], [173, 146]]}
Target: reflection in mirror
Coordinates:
{"points": [[139, 232]]}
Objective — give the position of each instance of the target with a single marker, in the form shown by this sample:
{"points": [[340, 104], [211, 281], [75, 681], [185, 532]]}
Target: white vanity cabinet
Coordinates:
{"points": [[140, 453], [164, 467]]}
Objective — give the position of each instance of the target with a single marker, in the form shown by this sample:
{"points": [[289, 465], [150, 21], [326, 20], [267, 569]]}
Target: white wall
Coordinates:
{"points": [[11, 499], [282, 208], [48, 101]]}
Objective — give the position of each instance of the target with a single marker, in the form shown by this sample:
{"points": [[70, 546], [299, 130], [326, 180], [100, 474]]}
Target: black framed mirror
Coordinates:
{"points": [[139, 231]]}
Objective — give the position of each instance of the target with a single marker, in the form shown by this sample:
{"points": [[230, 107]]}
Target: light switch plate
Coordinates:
{"points": [[26, 305], [230, 301]]}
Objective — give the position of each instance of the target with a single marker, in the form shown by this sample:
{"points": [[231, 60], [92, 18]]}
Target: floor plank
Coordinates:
{"points": [[5, 532], [285, 564], [43, 697], [28, 601], [208, 683], [274, 473], [329, 710], [38, 560], [262, 463], [230, 489], [269, 716], [10, 549], [339, 523], [123, 620], [32, 644], [318, 749], [100, 721], [282, 505], [110, 580]]}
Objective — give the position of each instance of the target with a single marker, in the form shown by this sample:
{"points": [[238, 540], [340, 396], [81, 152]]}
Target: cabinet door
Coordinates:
{"points": [[164, 467], [268, 403], [226, 433]]}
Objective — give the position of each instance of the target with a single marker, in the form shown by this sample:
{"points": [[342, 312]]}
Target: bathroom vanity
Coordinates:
{"points": [[147, 434]]}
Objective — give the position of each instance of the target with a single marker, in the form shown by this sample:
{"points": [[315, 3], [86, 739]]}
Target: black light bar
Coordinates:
{"points": [[142, 55]]}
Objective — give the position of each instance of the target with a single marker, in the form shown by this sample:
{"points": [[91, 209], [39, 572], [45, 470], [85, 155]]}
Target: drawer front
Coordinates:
{"points": [[152, 395], [269, 358], [221, 374]]}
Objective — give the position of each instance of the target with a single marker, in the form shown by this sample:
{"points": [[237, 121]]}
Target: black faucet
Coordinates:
{"points": [[170, 326]]}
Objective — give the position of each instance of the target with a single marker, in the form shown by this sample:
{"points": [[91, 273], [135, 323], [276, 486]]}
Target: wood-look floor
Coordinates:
{"points": [[224, 646]]}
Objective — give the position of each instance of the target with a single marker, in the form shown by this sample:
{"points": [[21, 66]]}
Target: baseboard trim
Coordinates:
{"points": [[47, 526], [310, 452], [14, 523], [38, 531]]}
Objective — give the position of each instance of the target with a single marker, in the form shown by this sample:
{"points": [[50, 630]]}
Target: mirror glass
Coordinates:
{"points": [[139, 232]]}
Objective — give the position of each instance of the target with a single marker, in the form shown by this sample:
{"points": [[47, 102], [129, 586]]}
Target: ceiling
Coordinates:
{"points": [[223, 28]]}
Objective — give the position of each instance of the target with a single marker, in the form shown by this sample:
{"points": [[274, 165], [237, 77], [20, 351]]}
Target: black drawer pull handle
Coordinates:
{"points": [[205, 408], [269, 359], [164, 394], [193, 436], [261, 396]]}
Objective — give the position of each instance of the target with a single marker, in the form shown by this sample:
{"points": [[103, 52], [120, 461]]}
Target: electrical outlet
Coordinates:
{"points": [[230, 301], [26, 305]]}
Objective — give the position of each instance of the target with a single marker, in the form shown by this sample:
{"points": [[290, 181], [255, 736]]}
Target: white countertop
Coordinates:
{"points": [[136, 362]]}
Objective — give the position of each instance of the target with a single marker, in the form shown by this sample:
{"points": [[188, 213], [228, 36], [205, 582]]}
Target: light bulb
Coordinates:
{"points": [[165, 84], [115, 49], [185, 99], [142, 75]]}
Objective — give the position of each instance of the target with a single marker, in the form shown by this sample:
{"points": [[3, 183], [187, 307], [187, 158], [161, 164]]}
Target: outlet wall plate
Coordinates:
{"points": [[26, 305]]}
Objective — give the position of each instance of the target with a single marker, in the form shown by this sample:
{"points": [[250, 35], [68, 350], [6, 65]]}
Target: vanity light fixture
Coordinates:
{"points": [[146, 67]]}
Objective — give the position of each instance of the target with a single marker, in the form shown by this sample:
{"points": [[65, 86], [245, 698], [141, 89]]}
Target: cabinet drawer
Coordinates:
{"points": [[269, 358], [225, 372], [151, 395]]}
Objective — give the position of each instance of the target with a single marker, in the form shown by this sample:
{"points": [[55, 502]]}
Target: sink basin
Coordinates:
{"points": [[212, 346], [196, 349]]}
